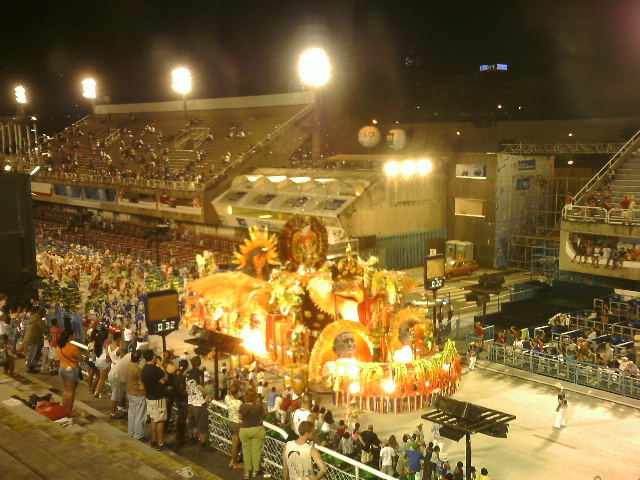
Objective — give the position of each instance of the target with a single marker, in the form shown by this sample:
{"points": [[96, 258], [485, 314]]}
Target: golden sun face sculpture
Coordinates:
{"points": [[258, 254]]}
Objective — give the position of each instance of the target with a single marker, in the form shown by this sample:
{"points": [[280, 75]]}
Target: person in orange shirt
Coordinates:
{"points": [[70, 358]]}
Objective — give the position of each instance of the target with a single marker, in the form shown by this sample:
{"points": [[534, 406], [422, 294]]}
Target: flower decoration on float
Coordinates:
{"points": [[287, 290]]}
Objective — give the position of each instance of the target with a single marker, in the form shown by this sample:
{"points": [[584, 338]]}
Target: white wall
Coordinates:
{"points": [[297, 98]]}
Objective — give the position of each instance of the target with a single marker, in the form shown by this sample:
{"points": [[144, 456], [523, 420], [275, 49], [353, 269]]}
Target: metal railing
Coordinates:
{"points": [[199, 135], [614, 216], [579, 373], [339, 466], [180, 139], [114, 134], [612, 164], [271, 137]]}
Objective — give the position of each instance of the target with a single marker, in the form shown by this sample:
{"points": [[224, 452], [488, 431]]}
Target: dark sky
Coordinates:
{"points": [[589, 51]]}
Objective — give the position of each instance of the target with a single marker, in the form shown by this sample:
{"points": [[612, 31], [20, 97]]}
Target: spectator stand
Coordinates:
{"points": [[579, 373]]}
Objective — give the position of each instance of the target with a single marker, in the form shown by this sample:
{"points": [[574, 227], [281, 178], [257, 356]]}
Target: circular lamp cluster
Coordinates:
{"points": [[408, 168]]}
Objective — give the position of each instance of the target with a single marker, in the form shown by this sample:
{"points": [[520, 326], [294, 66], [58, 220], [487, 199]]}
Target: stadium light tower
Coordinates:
{"points": [[21, 98], [89, 91], [314, 69], [182, 85]]}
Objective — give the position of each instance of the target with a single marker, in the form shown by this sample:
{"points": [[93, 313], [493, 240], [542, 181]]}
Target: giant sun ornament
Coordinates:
{"points": [[303, 243], [257, 243]]}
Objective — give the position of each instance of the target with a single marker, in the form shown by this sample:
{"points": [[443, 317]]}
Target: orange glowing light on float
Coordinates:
{"points": [[354, 387], [254, 341], [389, 386]]}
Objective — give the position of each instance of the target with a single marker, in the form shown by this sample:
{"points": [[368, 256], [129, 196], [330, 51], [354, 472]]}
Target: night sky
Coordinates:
{"points": [[588, 51]]}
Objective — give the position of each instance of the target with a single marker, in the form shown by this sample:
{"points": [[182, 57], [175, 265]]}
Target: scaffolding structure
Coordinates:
{"points": [[540, 229]]}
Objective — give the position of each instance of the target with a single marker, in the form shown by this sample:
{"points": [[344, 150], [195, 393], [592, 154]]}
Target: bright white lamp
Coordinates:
{"points": [[314, 67]]}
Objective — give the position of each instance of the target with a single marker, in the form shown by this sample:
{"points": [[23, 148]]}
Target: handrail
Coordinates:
{"points": [[611, 164], [180, 139], [113, 135], [328, 451], [613, 216], [199, 135], [272, 136]]}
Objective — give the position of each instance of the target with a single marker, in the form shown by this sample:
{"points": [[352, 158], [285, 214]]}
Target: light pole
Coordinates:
{"points": [[89, 91], [182, 84], [314, 69], [21, 98]]}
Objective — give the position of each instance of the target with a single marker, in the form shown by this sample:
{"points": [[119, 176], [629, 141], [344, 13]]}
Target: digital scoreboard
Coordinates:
{"points": [[162, 312], [433, 272]]}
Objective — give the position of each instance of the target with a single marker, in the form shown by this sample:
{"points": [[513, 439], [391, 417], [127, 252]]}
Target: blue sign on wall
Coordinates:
{"points": [[527, 164]]}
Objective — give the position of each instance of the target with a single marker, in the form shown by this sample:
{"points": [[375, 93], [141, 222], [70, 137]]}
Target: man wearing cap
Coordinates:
{"points": [[561, 409], [416, 458]]}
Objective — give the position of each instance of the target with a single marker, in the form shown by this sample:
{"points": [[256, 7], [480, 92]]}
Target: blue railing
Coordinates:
{"points": [[580, 373]]}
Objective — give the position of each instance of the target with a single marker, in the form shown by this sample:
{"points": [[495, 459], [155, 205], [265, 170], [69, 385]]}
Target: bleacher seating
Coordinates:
{"points": [[196, 151]]}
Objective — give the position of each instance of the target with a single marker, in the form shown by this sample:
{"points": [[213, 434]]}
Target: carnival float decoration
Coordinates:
{"points": [[338, 326]]}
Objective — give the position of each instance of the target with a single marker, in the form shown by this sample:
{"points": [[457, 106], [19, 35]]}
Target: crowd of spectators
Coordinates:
{"points": [[594, 250]]}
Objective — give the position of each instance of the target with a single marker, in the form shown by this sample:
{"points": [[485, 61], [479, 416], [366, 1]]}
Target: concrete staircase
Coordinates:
{"points": [[33, 447], [626, 180]]}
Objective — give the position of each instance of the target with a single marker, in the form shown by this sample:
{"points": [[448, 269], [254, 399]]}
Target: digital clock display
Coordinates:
{"points": [[434, 283], [162, 312]]}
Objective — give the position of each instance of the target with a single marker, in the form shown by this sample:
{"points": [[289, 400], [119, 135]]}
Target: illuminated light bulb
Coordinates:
{"points": [[392, 169], [424, 166], [389, 386], [427, 384], [89, 88], [408, 169], [354, 387], [352, 371], [446, 366], [314, 67], [181, 80]]}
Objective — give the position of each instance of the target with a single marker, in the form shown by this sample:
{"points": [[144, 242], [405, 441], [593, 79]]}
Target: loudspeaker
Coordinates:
{"points": [[18, 266]]}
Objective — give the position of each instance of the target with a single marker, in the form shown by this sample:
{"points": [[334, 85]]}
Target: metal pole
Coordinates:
{"points": [[28, 140], [468, 454], [4, 147], [215, 373], [184, 101]]}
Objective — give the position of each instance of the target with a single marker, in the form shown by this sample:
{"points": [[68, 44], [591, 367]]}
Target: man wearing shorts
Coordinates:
{"points": [[154, 378], [198, 416]]}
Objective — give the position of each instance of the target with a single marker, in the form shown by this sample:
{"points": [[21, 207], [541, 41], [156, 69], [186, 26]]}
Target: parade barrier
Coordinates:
{"points": [[339, 467], [580, 373]]}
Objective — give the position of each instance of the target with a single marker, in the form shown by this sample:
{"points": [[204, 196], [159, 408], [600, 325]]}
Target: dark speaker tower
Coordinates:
{"points": [[17, 237]]}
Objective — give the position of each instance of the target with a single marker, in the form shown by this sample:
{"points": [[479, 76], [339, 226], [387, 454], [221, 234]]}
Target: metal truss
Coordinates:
{"points": [[559, 148]]}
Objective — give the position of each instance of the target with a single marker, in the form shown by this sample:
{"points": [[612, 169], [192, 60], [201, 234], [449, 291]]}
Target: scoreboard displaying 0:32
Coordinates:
{"points": [[162, 312]]}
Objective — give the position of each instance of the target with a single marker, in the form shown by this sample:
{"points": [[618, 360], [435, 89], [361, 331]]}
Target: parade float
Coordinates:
{"points": [[339, 327]]}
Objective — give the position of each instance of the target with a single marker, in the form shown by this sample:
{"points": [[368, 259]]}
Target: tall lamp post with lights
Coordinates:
{"points": [[182, 85], [89, 91], [314, 69]]}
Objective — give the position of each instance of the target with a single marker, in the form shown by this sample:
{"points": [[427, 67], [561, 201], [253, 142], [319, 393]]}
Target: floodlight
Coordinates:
{"points": [[7, 168], [181, 80], [89, 88], [21, 94], [424, 166], [314, 67], [391, 169], [35, 170], [408, 168]]}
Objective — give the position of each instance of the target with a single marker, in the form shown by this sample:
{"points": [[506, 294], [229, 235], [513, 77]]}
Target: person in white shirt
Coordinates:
{"points": [[298, 457], [127, 337], [386, 459], [302, 414]]}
